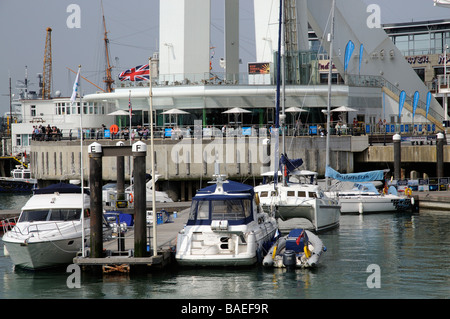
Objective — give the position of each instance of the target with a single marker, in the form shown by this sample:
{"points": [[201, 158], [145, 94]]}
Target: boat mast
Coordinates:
{"points": [[283, 92], [108, 77], [276, 132], [330, 74]]}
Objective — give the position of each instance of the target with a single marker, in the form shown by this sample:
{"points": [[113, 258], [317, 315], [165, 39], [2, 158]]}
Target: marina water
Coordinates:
{"points": [[395, 255]]}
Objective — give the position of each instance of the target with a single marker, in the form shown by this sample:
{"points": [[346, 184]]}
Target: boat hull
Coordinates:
{"points": [[43, 254], [323, 214], [374, 204], [16, 186], [199, 246]]}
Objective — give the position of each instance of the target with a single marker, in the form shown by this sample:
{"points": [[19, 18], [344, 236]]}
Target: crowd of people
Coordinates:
{"points": [[46, 133]]}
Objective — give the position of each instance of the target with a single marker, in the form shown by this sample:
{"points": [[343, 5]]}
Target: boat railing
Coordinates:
{"points": [[8, 224], [43, 228]]}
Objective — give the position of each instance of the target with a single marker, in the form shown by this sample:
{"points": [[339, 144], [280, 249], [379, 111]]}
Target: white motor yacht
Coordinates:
{"points": [[48, 232], [226, 227]]}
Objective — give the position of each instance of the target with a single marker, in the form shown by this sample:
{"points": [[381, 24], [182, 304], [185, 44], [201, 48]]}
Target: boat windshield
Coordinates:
{"points": [[58, 214], [226, 209]]}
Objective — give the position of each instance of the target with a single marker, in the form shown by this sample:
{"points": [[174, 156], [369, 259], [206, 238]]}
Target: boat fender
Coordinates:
{"points": [[306, 251], [412, 201], [131, 198], [408, 191], [256, 198]]}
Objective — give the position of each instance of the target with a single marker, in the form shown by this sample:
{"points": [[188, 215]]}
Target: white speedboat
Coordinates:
{"points": [[300, 249], [48, 232], [300, 199], [225, 227], [365, 198]]}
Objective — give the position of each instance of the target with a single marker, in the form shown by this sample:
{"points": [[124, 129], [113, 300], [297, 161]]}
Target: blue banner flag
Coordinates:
{"points": [[415, 102], [348, 53], [428, 103], [401, 102], [361, 53]]}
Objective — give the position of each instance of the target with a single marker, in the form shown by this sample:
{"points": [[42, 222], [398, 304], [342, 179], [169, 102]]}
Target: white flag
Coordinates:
{"points": [[75, 87]]}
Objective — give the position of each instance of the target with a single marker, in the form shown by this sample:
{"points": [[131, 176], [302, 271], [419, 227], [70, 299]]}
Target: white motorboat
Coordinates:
{"points": [[357, 193], [225, 227], [48, 232], [300, 249], [300, 199], [19, 181]]}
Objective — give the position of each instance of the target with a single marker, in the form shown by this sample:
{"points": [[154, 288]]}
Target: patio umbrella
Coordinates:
{"points": [[236, 111], [294, 109], [175, 112], [119, 113], [343, 109]]}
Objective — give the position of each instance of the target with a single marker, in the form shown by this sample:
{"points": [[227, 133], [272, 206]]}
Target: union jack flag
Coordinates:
{"points": [[138, 73]]}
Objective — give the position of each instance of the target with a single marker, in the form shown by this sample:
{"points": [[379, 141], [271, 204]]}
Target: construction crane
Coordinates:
{"points": [[108, 77], [47, 74]]}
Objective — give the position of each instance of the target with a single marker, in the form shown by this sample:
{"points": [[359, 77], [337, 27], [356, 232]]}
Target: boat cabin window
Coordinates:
{"points": [[312, 195], [291, 193], [230, 209], [301, 194], [26, 175], [64, 214], [50, 215], [203, 209], [234, 209], [266, 193]]}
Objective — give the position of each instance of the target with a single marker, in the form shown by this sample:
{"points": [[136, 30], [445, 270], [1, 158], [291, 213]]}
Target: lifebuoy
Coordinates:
{"points": [[114, 129], [131, 198], [408, 192]]}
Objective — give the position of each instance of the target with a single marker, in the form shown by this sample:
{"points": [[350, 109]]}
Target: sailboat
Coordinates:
{"points": [[293, 200], [357, 193]]}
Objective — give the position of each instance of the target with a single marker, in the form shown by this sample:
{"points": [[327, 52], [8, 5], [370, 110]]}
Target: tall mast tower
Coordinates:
{"points": [[108, 77], [47, 74]]}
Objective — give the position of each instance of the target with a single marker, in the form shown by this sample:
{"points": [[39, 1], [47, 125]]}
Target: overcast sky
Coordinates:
{"points": [[133, 33]]}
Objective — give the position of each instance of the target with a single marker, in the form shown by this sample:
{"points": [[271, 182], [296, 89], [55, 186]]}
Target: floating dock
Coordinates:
{"points": [[118, 255]]}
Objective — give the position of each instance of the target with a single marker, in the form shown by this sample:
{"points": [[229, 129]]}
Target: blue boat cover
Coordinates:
{"points": [[291, 164], [230, 187], [355, 177], [62, 188]]}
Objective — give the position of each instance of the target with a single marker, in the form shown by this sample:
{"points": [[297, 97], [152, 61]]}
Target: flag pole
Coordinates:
{"points": [[152, 157], [73, 98]]}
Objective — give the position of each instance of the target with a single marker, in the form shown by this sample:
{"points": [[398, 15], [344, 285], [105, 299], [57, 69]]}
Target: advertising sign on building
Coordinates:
{"points": [[259, 73]]}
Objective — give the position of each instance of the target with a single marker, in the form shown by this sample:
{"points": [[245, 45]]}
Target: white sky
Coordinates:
{"points": [[133, 33]]}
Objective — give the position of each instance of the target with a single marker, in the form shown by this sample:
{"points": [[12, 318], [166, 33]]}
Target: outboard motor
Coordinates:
{"points": [[289, 259]]}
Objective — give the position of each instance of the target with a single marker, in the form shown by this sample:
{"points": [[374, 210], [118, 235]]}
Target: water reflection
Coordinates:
{"points": [[411, 250]]}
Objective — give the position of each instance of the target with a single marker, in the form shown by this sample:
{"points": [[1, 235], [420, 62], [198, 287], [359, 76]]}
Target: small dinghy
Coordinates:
{"points": [[300, 249]]}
